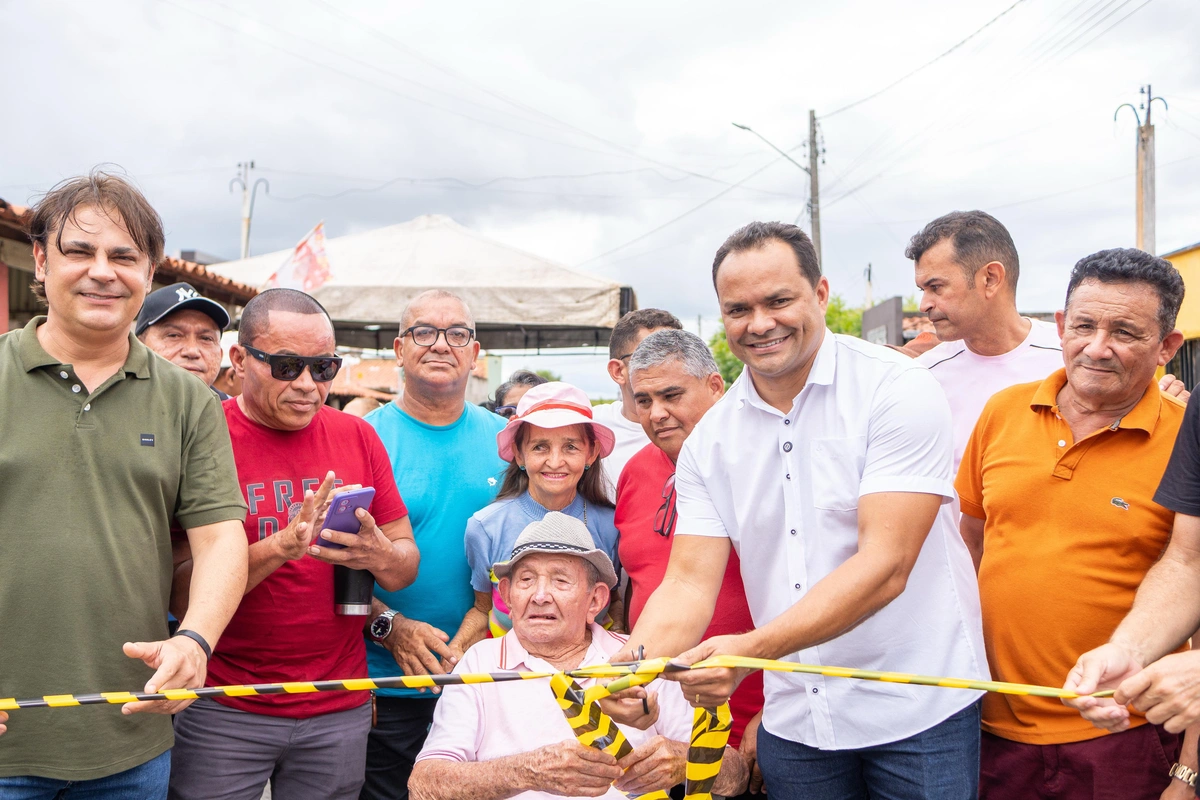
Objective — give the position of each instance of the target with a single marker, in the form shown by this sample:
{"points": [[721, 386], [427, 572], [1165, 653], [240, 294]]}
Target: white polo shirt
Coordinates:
{"points": [[969, 380], [784, 488]]}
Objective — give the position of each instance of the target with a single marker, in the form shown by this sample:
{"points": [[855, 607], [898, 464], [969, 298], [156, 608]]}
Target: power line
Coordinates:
{"points": [[924, 66], [1089, 42], [687, 213]]}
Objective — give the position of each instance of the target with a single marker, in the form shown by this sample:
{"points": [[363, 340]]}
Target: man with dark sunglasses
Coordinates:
{"points": [[291, 451], [674, 382]]}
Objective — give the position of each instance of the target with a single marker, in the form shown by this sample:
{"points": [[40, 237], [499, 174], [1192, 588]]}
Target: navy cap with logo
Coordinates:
{"points": [[180, 296]]}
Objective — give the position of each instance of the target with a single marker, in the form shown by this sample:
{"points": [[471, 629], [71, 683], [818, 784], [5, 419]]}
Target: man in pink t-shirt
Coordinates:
{"points": [[290, 451], [675, 381], [493, 741]]}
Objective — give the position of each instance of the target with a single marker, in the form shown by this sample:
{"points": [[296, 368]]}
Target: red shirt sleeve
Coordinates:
{"points": [[387, 506]]}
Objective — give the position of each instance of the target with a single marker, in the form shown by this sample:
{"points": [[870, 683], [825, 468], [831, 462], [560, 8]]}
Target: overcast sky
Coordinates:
{"points": [[585, 132]]}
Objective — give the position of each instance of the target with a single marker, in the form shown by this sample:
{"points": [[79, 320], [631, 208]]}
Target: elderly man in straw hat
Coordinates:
{"points": [[499, 740]]}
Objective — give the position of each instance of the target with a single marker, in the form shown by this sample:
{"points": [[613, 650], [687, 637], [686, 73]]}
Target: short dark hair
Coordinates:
{"points": [[521, 377], [644, 319], [978, 239], [757, 234], [254, 319], [1127, 265], [106, 192]]}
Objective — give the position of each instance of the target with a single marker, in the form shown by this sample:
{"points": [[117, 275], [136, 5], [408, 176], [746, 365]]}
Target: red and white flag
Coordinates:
{"points": [[307, 267]]}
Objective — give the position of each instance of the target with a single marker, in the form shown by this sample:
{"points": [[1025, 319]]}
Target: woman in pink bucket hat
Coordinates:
{"points": [[553, 448]]}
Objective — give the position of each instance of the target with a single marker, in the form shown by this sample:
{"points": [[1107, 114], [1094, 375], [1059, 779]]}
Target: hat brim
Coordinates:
{"points": [[597, 558], [554, 418], [215, 311]]}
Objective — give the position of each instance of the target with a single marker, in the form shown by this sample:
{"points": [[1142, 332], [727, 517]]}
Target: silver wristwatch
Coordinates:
{"points": [[1182, 773], [381, 626]]}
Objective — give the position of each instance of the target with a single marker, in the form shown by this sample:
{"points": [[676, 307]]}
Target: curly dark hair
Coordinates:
{"points": [[1127, 265]]}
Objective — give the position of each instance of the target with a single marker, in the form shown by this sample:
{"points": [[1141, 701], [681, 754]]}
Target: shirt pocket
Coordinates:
{"points": [[837, 466]]}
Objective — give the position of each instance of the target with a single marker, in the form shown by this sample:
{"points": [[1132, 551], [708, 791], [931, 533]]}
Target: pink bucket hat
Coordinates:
{"points": [[554, 405]]}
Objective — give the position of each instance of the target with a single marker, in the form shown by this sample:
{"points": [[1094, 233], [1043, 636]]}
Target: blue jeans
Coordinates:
{"points": [[145, 782], [941, 763]]}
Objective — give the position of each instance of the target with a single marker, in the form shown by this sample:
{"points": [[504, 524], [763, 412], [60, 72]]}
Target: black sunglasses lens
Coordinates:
{"points": [[325, 369], [286, 368]]}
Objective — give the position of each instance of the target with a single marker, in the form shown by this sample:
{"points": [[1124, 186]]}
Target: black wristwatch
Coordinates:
{"points": [[381, 626]]}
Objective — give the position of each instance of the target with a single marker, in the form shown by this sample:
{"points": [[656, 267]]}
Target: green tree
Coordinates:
{"points": [[549, 375], [841, 318], [727, 362], [911, 303]]}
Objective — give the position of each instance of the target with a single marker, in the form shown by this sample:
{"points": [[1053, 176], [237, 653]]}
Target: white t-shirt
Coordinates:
{"points": [[784, 489], [631, 438], [969, 380]]}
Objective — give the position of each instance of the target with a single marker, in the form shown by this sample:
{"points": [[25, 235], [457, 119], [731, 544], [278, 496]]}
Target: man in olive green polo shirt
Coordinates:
{"points": [[103, 443]]}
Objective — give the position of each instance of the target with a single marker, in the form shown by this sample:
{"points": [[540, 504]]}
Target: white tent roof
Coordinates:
{"points": [[375, 273]]}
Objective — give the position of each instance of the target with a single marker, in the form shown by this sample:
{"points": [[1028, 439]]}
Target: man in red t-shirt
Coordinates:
{"points": [[291, 451], [675, 381]]}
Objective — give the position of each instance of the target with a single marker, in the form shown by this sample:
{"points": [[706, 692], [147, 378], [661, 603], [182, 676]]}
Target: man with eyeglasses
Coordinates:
{"points": [[620, 416], [444, 458], [291, 451], [675, 381]]}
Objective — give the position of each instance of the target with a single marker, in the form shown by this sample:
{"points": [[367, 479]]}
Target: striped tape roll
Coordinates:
{"points": [[648, 669]]}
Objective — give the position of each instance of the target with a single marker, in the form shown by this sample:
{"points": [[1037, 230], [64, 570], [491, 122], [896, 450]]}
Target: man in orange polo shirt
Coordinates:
{"points": [[1057, 489]]}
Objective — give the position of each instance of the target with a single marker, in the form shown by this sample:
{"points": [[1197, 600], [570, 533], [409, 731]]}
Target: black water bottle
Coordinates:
{"points": [[352, 589]]}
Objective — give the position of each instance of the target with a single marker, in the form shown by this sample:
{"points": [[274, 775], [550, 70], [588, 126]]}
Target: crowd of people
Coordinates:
{"points": [[1019, 502]]}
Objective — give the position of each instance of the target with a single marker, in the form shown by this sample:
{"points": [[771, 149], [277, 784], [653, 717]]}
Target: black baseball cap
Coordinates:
{"points": [[177, 297]]}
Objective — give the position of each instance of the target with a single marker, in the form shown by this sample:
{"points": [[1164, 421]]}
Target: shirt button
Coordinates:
{"points": [[797, 586], [1062, 442], [76, 388], [88, 407], [816, 690], [793, 531], [63, 375], [788, 476], [787, 422], [787, 447]]}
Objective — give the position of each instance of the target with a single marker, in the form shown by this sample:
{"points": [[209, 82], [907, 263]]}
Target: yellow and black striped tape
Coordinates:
{"points": [[648, 669], [710, 733]]}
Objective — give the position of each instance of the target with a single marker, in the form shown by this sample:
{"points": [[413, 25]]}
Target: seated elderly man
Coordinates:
{"points": [[499, 740]]}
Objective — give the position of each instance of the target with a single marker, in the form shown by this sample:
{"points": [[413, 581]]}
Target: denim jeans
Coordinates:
{"points": [[941, 763], [145, 782]]}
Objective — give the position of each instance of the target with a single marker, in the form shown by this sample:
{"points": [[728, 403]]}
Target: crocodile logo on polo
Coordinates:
{"points": [[1119, 503]]}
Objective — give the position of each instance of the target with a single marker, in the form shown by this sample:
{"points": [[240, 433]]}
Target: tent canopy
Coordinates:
{"points": [[519, 300]]}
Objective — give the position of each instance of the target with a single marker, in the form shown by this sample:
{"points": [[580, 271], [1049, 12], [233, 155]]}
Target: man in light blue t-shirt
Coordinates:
{"points": [[444, 457]]}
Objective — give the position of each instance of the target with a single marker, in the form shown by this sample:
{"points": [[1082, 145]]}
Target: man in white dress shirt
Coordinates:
{"points": [[621, 415], [827, 467], [967, 268]]}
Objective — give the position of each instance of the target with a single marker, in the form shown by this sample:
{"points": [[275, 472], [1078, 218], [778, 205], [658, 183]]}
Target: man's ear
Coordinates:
{"points": [[716, 385], [1170, 346], [597, 603], [504, 586], [616, 371], [993, 275], [39, 262], [398, 347], [237, 358]]}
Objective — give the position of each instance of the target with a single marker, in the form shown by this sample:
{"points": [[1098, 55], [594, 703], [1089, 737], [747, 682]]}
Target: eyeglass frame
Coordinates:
{"points": [[307, 362], [668, 511], [441, 333], [498, 409]]}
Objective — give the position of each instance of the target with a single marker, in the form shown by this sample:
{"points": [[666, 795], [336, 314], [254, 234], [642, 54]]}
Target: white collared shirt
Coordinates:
{"points": [[631, 437], [784, 488]]}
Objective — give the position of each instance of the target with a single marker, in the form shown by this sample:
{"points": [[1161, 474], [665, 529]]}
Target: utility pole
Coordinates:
{"points": [[811, 169], [814, 190], [870, 298], [1145, 204], [248, 192]]}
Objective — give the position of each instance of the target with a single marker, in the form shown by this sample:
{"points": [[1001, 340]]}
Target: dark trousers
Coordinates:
{"points": [[941, 763], [1131, 765], [401, 725]]}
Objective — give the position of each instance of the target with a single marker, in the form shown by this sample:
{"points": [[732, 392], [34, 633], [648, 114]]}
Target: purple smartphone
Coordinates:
{"points": [[341, 513]]}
